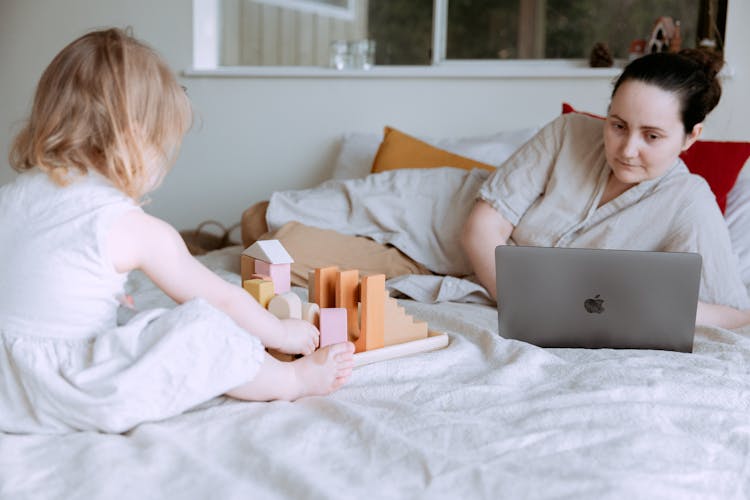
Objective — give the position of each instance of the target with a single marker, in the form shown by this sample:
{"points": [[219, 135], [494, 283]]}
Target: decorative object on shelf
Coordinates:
{"points": [[665, 36], [600, 56], [637, 49], [354, 54]]}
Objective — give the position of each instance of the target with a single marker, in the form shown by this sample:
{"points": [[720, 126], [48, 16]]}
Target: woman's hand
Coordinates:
{"points": [[721, 316], [298, 337]]}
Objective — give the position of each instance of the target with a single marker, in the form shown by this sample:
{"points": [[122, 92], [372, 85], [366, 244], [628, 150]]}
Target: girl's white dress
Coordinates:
{"points": [[65, 364]]}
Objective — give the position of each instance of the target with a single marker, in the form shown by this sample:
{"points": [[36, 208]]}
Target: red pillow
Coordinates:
{"points": [[719, 162]]}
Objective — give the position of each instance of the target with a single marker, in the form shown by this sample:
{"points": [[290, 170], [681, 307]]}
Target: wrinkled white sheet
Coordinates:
{"points": [[482, 418], [419, 211]]}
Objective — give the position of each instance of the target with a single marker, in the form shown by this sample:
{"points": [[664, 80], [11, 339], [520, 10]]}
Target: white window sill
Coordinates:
{"points": [[549, 68], [469, 69]]}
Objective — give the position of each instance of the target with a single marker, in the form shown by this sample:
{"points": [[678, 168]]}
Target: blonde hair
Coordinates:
{"points": [[106, 102]]}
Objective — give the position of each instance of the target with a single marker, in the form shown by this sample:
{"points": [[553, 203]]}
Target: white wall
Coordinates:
{"points": [[257, 135]]}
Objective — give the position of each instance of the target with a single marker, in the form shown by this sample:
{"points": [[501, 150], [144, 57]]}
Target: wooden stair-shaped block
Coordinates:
{"points": [[400, 327]]}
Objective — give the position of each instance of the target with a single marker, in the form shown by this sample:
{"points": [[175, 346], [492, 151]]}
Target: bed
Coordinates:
{"points": [[484, 417]]}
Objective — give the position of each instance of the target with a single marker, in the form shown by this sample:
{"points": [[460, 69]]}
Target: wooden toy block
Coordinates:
{"points": [[333, 328], [286, 305], [347, 296], [261, 267], [399, 327], [263, 277], [434, 341], [311, 313], [311, 287], [270, 258], [271, 251], [281, 356], [280, 274], [325, 286], [372, 299], [261, 290], [247, 267]]}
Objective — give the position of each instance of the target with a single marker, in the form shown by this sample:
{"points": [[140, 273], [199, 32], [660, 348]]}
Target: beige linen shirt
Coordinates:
{"points": [[550, 191]]}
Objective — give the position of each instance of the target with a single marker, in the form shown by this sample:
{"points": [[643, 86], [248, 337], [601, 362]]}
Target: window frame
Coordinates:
{"points": [[206, 57]]}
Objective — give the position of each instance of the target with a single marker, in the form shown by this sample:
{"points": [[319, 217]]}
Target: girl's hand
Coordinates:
{"points": [[298, 337]]}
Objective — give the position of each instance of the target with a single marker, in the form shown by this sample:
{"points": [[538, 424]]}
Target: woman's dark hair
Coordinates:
{"points": [[691, 74]]}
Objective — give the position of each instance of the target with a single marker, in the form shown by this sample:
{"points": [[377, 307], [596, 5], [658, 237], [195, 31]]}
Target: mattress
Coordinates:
{"points": [[484, 417]]}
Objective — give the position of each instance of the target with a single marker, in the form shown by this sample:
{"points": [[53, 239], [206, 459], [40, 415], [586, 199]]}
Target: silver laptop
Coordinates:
{"points": [[574, 297]]}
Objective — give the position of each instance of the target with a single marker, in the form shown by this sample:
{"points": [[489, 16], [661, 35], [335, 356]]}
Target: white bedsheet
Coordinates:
{"points": [[483, 418]]}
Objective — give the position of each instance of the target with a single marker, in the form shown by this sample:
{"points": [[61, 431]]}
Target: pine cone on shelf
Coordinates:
{"points": [[600, 56]]}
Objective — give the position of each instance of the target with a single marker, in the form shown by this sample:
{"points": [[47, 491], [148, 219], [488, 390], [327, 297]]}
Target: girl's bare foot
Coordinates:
{"points": [[319, 373], [323, 371]]}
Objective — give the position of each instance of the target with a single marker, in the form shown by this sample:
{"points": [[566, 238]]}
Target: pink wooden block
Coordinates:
{"points": [[262, 267], [280, 274], [332, 326], [281, 277]]}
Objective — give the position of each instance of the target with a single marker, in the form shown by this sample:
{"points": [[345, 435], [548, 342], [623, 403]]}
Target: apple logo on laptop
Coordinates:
{"points": [[595, 305]]}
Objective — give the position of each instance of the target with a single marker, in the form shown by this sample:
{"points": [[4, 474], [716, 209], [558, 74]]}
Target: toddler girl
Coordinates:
{"points": [[107, 120]]}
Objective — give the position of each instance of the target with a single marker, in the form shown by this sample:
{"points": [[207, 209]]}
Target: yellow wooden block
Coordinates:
{"points": [[261, 290]]}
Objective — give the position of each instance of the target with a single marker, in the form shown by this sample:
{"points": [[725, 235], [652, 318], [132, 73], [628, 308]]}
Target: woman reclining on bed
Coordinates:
{"points": [[574, 185]]}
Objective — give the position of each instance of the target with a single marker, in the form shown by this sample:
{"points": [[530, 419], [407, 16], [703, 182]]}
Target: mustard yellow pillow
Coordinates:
{"points": [[399, 150]]}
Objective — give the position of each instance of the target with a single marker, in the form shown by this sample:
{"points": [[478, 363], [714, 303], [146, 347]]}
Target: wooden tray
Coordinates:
{"points": [[433, 342]]}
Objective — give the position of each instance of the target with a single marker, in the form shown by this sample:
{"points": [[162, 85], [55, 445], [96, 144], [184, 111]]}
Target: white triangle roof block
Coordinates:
{"points": [[271, 251]]}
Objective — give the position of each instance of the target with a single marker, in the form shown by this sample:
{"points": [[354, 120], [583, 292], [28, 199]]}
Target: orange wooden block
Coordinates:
{"points": [[347, 296], [325, 286], [247, 267], [372, 297], [311, 287]]}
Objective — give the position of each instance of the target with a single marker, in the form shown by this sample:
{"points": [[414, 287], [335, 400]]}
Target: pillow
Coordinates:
{"points": [[358, 150], [738, 220], [399, 150], [719, 162]]}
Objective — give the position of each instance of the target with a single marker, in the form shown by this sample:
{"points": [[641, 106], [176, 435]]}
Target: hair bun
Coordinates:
{"points": [[710, 60]]}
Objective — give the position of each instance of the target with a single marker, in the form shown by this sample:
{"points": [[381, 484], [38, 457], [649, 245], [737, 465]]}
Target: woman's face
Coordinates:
{"points": [[643, 133]]}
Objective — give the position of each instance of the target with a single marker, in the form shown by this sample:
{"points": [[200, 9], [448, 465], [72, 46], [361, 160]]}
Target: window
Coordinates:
{"points": [[429, 32]]}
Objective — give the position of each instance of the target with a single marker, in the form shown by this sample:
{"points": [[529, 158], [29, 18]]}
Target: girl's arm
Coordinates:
{"points": [[484, 230], [140, 241]]}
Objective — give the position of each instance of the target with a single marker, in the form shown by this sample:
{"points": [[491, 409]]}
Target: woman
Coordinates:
{"points": [[576, 185]]}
